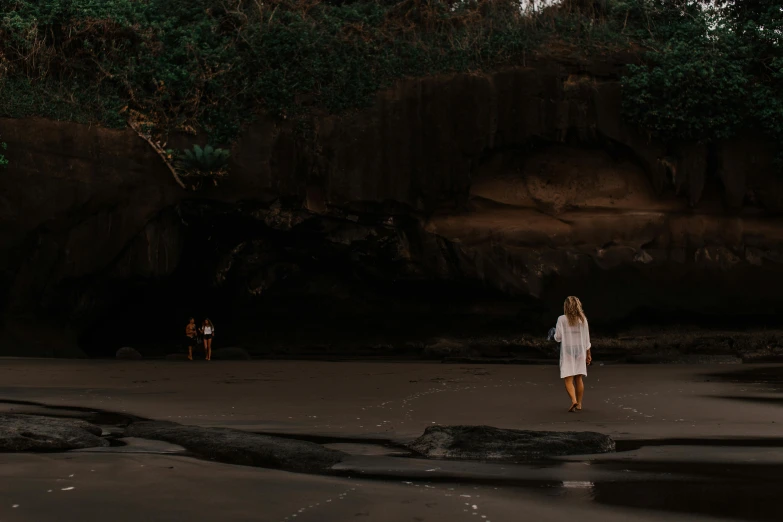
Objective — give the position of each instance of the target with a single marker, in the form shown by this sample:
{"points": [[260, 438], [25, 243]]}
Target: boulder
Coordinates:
{"points": [[36, 433], [240, 447], [445, 348], [231, 354], [488, 443], [129, 354], [762, 357]]}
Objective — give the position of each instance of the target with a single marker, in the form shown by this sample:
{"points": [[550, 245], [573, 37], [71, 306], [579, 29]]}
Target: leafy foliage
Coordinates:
{"points": [[208, 162], [709, 71], [3, 160], [708, 68], [214, 64], [689, 89]]}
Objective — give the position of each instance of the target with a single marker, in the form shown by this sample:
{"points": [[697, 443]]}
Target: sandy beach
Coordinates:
{"points": [[693, 441]]}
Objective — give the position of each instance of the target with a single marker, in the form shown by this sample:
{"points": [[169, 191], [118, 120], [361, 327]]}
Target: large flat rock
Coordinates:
{"points": [[488, 443], [241, 447], [36, 433]]}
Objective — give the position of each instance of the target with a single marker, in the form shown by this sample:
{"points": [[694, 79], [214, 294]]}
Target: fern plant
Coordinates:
{"points": [[200, 163]]}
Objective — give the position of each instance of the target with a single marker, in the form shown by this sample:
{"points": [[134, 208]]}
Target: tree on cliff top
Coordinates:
{"points": [[214, 65], [710, 72]]}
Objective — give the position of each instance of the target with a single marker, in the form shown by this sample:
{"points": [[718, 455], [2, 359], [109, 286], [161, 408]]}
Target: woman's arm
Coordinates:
{"points": [[558, 331], [588, 345], [587, 336]]}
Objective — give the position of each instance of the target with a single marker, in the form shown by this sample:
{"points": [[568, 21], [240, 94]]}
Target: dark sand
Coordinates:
{"points": [[707, 446]]}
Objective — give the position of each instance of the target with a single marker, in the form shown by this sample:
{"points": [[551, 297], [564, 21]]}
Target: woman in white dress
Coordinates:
{"points": [[573, 334]]}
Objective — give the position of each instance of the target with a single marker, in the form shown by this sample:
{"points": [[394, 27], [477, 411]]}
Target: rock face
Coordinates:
{"points": [[33, 433], [452, 202], [443, 348], [488, 443], [239, 447], [128, 353]]}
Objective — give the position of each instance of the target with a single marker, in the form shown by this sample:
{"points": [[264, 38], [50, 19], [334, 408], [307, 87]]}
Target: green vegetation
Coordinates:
{"points": [[3, 161], [213, 65], [708, 72], [199, 164]]}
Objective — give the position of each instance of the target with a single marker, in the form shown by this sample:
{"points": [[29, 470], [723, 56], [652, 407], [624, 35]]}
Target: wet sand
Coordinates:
{"points": [[708, 442]]}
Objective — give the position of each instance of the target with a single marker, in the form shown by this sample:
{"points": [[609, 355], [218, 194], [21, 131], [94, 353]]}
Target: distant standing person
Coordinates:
{"points": [[190, 337], [208, 330], [573, 334]]}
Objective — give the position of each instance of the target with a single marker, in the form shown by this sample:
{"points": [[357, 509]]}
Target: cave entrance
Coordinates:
{"points": [[275, 290]]}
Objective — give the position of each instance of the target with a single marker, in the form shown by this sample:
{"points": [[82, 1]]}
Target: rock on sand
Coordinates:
{"points": [[241, 447], [128, 353], [35, 433], [486, 442]]}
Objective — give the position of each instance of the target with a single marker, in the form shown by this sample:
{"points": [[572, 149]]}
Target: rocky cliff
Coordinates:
{"points": [[453, 204]]}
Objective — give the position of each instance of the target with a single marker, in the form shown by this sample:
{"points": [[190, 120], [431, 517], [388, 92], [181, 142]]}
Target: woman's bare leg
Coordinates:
{"points": [[569, 384], [209, 349], [190, 352], [579, 385]]}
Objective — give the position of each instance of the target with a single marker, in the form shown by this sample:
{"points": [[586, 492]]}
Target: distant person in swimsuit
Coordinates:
{"points": [[190, 337], [208, 331], [573, 334]]}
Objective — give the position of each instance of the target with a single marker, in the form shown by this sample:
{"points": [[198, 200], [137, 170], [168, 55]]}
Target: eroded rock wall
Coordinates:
{"points": [[490, 194]]}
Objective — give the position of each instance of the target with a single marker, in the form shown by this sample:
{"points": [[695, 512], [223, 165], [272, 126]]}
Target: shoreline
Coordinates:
{"points": [[666, 360], [637, 346]]}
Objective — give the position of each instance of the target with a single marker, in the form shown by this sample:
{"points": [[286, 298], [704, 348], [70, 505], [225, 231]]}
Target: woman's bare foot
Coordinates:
{"points": [[578, 407], [573, 408], [190, 357]]}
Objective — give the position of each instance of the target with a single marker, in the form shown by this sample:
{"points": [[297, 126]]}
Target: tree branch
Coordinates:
{"points": [[160, 152]]}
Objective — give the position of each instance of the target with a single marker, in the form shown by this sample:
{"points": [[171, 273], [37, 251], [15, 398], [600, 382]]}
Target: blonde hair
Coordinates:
{"points": [[573, 311]]}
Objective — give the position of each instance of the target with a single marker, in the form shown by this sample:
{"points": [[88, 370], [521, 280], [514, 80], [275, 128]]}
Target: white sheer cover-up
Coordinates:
{"points": [[574, 343]]}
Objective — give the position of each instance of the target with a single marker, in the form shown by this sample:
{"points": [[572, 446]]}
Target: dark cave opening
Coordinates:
{"points": [[314, 293]]}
